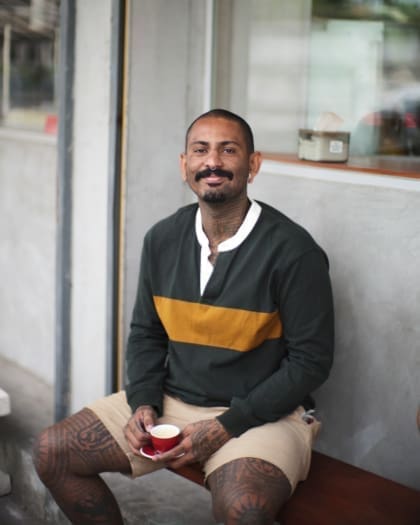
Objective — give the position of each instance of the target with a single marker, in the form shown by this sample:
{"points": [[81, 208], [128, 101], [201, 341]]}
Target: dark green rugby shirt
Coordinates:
{"points": [[260, 338]]}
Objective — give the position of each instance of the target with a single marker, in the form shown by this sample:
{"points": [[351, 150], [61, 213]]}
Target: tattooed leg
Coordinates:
{"points": [[68, 458], [248, 491]]}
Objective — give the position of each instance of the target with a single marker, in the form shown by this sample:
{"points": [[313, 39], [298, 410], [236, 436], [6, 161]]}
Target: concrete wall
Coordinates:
{"points": [[164, 94], [91, 187], [28, 188], [166, 91], [369, 226], [27, 254]]}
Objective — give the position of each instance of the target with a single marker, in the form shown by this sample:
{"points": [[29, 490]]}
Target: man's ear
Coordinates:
{"points": [[255, 160], [183, 166]]}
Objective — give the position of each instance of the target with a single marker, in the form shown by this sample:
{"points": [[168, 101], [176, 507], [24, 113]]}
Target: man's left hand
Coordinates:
{"points": [[198, 442]]}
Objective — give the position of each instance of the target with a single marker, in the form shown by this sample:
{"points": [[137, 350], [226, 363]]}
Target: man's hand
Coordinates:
{"points": [[138, 427], [198, 442]]}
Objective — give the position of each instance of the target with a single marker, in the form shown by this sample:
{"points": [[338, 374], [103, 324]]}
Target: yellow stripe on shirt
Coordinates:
{"points": [[204, 324]]}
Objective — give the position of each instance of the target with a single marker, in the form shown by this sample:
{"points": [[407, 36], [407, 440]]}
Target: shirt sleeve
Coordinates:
{"points": [[306, 311], [147, 344]]}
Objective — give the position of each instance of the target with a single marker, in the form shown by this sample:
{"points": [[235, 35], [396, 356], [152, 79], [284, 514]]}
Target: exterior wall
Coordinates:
{"points": [[27, 255], [166, 87], [165, 90], [28, 188], [91, 164], [368, 226]]}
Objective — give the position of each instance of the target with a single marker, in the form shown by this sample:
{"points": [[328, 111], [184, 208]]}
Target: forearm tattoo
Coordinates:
{"points": [[208, 437]]}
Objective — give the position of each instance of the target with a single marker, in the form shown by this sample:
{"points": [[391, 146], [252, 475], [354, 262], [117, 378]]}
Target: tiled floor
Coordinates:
{"points": [[162, 498]]}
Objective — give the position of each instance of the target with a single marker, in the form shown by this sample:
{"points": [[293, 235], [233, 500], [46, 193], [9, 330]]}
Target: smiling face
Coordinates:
{"points": [[217, 164]]}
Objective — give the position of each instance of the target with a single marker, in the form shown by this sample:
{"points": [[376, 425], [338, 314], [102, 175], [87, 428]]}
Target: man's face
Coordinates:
{"points": [[217, 165]]}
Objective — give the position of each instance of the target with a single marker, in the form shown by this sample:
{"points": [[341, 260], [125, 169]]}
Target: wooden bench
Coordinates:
{"points": [[337, 493]]}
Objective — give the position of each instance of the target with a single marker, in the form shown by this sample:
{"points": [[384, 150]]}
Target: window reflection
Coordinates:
{"points": [[28, 47], [372, 49], [355, 59]]}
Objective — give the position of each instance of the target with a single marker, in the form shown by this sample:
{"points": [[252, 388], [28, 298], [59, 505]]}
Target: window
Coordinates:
{"points": [[285, 65], [28, 47]]}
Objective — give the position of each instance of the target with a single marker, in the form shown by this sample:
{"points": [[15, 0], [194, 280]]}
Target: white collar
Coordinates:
{"points": [[244, 230], [206, 268]]}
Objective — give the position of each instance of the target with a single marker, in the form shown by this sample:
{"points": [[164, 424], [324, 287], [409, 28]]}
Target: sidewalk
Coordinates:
{"points": [[142, 501]]}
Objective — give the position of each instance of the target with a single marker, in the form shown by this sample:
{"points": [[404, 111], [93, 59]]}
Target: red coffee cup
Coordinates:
{"points": [[165, 436]]}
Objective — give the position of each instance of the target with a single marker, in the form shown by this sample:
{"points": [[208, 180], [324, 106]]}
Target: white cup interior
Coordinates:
{"points": [[165, 431]]}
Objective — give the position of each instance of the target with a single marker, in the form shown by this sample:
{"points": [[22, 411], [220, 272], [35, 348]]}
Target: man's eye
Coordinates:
{"points": [[229, 150], [199, 150]]}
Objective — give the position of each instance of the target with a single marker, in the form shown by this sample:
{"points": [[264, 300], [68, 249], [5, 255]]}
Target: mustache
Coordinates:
{"points": [[208, 172]]}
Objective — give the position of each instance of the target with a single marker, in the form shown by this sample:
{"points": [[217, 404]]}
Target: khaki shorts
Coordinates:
{"points": [[286, 443]]}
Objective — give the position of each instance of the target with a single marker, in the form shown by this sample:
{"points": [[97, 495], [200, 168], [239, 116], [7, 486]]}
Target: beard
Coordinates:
{"points": [[214, 197]]}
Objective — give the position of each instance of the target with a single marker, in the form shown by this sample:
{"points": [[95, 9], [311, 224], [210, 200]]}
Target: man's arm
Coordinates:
{"points": [[199, 441], [147, 344], [306, 311]]}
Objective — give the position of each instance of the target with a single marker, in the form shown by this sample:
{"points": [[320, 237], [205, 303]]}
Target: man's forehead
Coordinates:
{"points": [[215, 129]]}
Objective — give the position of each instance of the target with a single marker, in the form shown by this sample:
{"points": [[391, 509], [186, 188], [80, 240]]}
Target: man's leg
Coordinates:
{"points": [[248, 491], [69, 456]]}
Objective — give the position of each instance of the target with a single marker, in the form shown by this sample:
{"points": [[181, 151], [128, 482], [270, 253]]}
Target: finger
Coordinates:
{"points": [[131, 438], [132, 442], [146, 415], [149, 419], [136, 423], [139, 425], [136, 440], [135, 451], [136, 426], [179, 462], [134, 430], [171, 455]]}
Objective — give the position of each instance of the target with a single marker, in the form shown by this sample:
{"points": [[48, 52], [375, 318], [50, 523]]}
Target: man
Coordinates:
{"points": [[232, 330]]}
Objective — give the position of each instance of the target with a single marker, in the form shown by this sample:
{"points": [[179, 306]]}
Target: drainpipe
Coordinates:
{"points": [[115, 179], [209, 64], [5, 103], [64, 211]]}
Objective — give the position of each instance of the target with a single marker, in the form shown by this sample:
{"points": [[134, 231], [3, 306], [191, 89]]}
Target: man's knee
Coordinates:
{"points": [[248, 490], [47, 450], [57, 446], [245, 511]]}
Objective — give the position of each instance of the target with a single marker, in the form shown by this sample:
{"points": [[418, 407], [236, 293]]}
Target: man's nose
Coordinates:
{"points": [[213, 160]]}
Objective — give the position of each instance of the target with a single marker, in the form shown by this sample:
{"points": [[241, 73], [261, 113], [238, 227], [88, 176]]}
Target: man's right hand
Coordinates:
{"points": [[199, 441], [138, 427]]}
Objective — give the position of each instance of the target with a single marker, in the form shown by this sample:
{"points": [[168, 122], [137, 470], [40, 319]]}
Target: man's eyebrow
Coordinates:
{"points": [[201, 142], [226, 142], [222, 143]]}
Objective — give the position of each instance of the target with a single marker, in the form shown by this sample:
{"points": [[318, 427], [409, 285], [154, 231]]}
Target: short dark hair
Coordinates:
{"points": [[228, 115]]}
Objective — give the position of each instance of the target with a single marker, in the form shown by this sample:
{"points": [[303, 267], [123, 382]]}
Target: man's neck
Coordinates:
{"points": [[221, 221]]}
